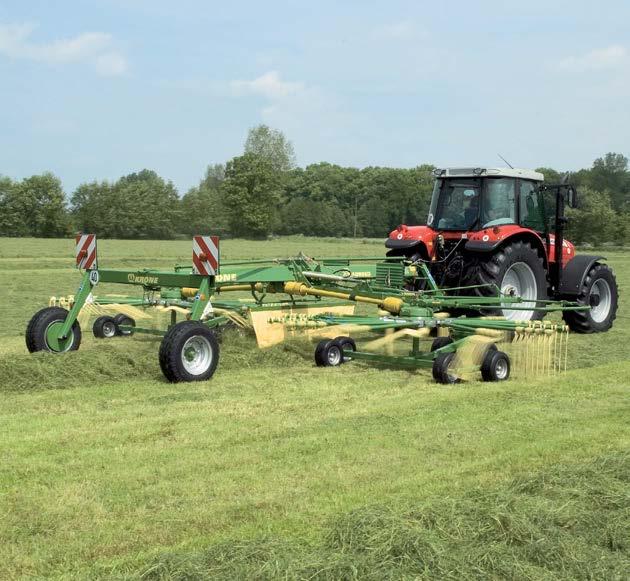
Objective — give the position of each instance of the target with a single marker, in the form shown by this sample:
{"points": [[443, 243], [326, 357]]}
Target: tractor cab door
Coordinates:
{"points": [[498, 206], [532, 211]]}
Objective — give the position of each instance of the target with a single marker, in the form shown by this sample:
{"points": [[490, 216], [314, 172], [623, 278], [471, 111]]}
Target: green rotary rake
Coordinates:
{"points": [[452, 331]]}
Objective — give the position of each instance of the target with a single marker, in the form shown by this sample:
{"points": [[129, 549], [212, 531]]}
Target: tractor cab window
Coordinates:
{"points": [[532, 212], [499, 202], [455, 205]]}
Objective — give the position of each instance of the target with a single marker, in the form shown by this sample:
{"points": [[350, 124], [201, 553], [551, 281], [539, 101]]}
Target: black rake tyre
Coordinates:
{"points": [[346, 344], [599, 281], [516, 268], [105, 328], [122, 320], [328, 353], [495, 366], [442, 372], [39, 334], [189, 352], [440, 342]]}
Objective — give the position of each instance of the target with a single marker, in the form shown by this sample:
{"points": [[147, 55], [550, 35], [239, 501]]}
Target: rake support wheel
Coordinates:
{"points": [[105, 328], [442, 372], [328, 353], [42, 332], [122, 320], [495, 366]]}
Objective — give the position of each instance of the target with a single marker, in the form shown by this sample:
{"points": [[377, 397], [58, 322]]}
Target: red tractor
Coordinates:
{"points": [[503, 229]]}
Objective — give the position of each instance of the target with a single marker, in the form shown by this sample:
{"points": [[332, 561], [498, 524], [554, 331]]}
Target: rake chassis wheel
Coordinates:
{"points": [[189, 352]]}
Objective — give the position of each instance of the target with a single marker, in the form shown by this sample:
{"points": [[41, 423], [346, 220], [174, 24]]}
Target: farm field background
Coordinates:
{"points": [[275, 468]]}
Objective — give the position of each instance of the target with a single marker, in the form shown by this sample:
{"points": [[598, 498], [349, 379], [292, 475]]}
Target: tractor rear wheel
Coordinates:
{"points": [[516, 269], [42, 332], [599, 290]]}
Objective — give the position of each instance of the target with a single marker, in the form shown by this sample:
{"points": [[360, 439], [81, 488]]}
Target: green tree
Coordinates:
{"points": [[552, 176], [92, 208], [595, 221], [8, 227], [35, 206], [272, 145], [202, 210], [138, 205], [250, 194], [610, 174]]}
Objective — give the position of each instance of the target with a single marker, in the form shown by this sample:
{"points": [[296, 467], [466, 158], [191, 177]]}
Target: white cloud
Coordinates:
{"points": [[401, 30], [611, 57], [94, 48], [269, 85]]}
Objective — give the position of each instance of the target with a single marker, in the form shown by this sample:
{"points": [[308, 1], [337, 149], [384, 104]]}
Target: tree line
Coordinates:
{"points": [[262, 193]]}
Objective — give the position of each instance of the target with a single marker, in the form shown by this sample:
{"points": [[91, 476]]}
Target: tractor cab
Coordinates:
{"points": [[466, 200]]}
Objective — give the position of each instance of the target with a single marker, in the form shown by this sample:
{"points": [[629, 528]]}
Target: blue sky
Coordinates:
{"points": [[97, 89]]}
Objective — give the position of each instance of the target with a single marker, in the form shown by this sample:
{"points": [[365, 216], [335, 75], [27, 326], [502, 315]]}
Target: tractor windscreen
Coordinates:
{"points": [[466, 204], [455, 204]]}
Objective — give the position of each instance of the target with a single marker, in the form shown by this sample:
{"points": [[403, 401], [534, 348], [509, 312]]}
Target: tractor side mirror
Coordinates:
{"points": [[572, 197]]}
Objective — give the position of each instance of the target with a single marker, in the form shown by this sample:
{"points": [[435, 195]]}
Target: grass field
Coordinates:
{"points": [[277, 469]]}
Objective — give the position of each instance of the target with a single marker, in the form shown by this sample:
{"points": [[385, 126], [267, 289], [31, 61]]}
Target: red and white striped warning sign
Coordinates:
{"points": [[205, 255], [85, 251]]}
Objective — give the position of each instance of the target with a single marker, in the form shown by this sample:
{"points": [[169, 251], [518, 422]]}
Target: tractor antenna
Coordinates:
{"points": [[506, 161]]}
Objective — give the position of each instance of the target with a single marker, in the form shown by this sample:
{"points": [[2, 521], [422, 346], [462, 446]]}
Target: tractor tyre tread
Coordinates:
{"points": [[581, 321], [487, 271]]}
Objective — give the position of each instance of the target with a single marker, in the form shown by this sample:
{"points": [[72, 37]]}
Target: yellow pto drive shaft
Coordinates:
{"points": [[392, 305]]}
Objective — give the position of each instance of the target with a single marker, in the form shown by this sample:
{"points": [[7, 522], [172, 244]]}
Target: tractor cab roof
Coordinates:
{"points": [[475, 172]]}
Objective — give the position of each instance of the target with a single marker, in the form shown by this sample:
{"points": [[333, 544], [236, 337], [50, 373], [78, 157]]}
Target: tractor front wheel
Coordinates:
{"points": [[517, 270], [599, 290], [42, 332], [189, 352]]}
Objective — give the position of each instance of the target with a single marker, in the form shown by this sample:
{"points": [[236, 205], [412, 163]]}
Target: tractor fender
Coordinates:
{"points": [[574, 273], [478, 244]]}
